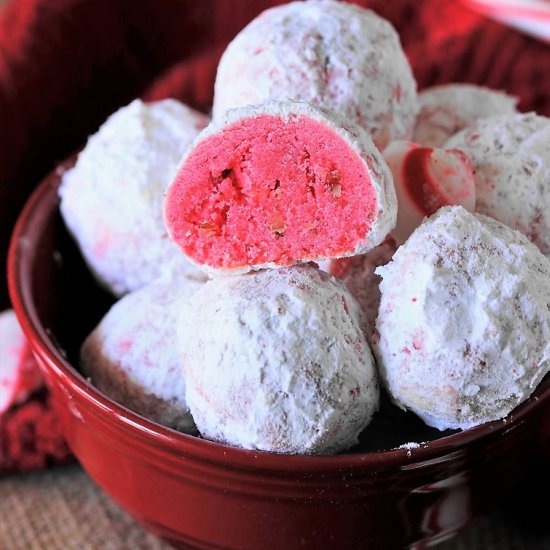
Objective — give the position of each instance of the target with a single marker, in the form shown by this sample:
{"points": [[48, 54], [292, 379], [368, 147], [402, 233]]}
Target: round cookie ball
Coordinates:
{"points": [[464, 320], [275, 360], [449, 108], [510, 155], [111, 200], [276, 185], [132, 355], [333, 54]]}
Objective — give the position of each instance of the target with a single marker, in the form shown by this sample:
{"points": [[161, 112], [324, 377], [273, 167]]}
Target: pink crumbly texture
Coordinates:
{"points": [[19, 373], [357, 273], [266, 191]]}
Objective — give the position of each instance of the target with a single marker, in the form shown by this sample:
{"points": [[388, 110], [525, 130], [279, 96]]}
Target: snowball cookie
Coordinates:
{"points": [[275, 360], [333, 54], [111, 200], [132, 355], [19, 373], [511, 159], [426, 179], [464, 320], [449, 108], [279, 184], [357, 273]]}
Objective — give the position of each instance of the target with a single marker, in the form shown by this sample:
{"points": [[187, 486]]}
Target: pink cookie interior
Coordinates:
{"points": [[270, 190]]}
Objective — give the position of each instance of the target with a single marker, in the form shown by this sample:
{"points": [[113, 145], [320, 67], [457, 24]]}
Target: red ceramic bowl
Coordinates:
{"points": [[200, 494]]}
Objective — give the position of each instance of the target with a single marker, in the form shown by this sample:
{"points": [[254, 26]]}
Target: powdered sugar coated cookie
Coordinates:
{"points": [[111, 200], [333, 54], [510, 155], [132, 355], [426, 179], [19, 373], [449, 108], [276, 185], [464, 320], [276, 360]]}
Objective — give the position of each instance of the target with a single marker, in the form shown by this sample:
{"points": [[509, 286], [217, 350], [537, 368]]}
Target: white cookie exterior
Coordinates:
{"points": [[19, 374], [333, 54], [275, 360], [111, 200], [132, 355], [464, 320], [510, 155], [382, 220], [449, 108]]}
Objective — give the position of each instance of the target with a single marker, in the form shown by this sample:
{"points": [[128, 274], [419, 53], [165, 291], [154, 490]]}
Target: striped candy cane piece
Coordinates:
{"points": [[529, 16]]}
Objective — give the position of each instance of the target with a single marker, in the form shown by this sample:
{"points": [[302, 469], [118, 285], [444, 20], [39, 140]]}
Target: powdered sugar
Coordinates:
{"points": [[449, 108], [329, 53], [19, 373], [426, 179], [132, 355], [511, 159], [276, 360], [112, 199], [464, 320], [359, 277]]}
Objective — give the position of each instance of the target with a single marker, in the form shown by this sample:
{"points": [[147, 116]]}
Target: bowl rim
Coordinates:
{"points": [[178, 443]]}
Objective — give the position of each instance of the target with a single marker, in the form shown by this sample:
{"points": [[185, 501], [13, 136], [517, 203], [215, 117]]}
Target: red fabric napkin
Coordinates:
{"points": [[31, 437], [66, 65]]}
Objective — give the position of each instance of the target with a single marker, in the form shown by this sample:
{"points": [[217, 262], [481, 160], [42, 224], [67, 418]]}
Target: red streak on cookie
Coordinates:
{"points": [[434, 178]]}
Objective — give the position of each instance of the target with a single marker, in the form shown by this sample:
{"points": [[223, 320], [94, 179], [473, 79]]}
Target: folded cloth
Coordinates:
{"points": [[66, 65], [30, 437]]}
